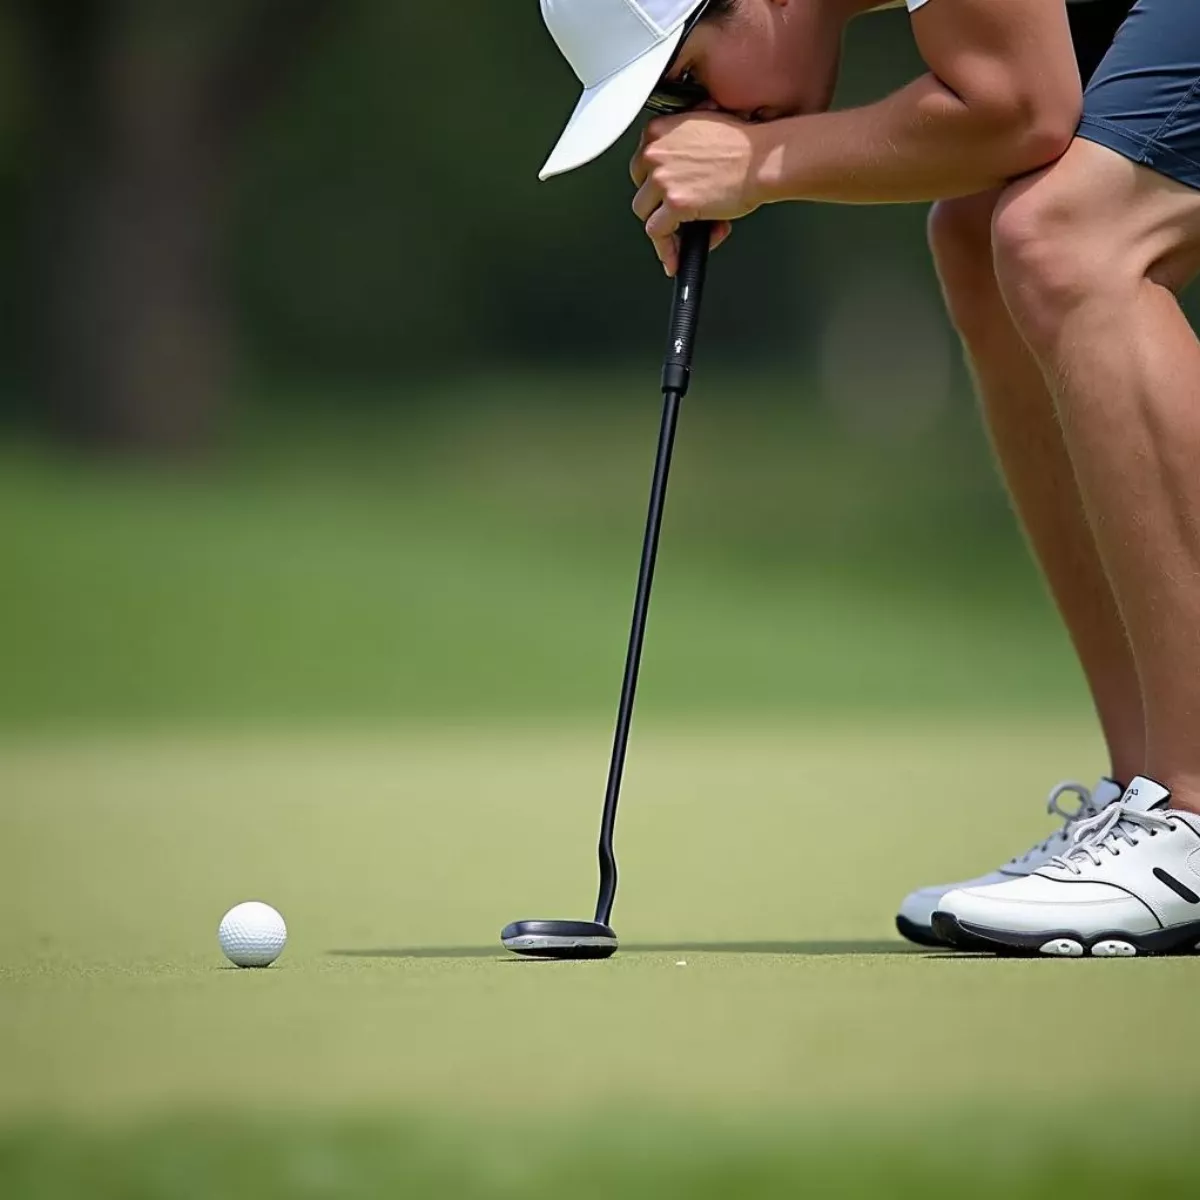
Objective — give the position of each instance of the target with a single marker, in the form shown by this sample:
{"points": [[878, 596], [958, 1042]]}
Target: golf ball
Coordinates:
{"points": [[252, 934]]}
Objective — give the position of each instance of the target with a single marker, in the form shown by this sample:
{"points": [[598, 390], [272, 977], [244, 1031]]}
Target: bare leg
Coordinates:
{"points": [[1029, 445], [1089, 255]]}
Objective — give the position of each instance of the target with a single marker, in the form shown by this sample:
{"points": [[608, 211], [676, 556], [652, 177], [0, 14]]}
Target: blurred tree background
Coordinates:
{"points": [[197, 194], [377, 408]]}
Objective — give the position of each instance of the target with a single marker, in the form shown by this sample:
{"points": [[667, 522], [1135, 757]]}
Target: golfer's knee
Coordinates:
{"points": [[1057, 247], [960, 237], [1040, 259]]}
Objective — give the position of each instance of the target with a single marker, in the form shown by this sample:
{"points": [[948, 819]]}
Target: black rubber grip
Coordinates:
{"points": [[685, 309]]}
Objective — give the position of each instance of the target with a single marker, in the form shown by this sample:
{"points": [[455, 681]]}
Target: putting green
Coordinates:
{"points": [[767, 861]]}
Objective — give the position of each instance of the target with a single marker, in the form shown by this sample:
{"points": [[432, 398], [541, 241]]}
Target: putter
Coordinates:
{"points": [[596, 939]]}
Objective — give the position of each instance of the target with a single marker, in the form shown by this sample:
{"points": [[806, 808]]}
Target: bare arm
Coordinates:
{"points": [[1002, 98]]}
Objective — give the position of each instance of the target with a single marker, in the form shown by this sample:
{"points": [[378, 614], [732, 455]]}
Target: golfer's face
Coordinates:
{"points": [[760, 67]]}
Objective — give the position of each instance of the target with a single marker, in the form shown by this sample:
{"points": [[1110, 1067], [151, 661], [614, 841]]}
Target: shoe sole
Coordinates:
{"points": [[923, 935], [1067, 943]]}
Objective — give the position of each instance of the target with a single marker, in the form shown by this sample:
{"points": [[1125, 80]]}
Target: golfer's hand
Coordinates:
{"points": [[695, 167]]}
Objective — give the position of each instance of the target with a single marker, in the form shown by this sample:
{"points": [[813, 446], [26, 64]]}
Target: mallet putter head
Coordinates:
{"points": [[560, 939]]}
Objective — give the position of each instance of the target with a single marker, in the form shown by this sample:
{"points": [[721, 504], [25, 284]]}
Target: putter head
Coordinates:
{"points": [[559, 939]]}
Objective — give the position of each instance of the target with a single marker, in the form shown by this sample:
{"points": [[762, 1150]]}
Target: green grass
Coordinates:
{"points": [[636, 1154], [801, 1042], [481, 561], [366, 669]]}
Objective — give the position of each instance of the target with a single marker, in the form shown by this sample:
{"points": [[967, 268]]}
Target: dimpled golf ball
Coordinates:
{"points": [[252, 934]]}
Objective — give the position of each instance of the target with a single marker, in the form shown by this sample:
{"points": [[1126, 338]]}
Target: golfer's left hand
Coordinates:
{"points": [[696, 167]]}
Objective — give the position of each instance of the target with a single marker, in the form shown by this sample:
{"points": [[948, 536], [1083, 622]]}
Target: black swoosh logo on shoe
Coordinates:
{"points": [[1180, 889]]}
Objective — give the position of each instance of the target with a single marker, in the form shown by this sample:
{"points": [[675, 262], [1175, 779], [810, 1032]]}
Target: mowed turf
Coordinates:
{"points": [[851, 686], [801, 1036], [485, 567]]}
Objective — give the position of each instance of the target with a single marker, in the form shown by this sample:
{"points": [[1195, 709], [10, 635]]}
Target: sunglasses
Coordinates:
{"points": [[671, 97]]}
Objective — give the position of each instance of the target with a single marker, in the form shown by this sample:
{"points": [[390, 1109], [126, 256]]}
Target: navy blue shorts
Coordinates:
{"points": [[1141, 65]]}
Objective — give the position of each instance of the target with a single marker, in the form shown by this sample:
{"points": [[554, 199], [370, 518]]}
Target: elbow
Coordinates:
{"points": [[1032, 132], [1043, 140]]}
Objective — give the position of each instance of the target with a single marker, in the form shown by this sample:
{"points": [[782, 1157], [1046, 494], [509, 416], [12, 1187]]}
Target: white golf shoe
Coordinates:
{"points": [[915, 919], [1128, 885]]}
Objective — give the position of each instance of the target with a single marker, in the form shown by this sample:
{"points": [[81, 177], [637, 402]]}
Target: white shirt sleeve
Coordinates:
{"points": [[913, 5]]}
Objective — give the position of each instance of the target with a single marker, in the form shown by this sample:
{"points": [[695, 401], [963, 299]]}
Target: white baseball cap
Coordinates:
{"points": [[619, 49]]}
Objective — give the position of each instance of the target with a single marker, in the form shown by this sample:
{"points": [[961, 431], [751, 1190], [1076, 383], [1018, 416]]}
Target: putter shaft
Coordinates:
{"points": [[677, 366]]}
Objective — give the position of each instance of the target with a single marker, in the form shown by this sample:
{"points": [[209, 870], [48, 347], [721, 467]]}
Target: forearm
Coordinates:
{"points": [[920, 143]]}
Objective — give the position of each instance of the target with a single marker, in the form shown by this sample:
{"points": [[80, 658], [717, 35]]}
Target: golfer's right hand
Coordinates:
{"points": [[667, 248], [698, 166]]}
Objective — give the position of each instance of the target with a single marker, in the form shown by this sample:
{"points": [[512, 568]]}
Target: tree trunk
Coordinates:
{"points": [[133, 343], [135, 335], [141, 104]]}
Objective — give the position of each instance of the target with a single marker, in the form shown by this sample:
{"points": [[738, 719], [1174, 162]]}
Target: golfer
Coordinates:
{"points": [[1060, 146]]}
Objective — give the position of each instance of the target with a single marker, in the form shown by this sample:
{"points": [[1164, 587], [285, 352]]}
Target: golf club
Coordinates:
{"points": [[596, 939]]}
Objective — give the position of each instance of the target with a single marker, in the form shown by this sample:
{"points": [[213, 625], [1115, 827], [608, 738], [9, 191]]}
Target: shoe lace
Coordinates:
{"points": [[1106, 831], [1070, 816]]}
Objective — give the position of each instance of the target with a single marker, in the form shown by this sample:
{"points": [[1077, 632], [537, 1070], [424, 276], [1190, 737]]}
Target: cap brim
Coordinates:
{"points": [[605, 111]]}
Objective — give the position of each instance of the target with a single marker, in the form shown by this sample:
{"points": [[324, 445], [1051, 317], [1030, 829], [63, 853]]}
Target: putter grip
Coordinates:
{"points": [[685, 308]]}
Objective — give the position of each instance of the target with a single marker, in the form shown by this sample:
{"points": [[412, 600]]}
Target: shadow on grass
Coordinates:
{"points": [[799, 949]]}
